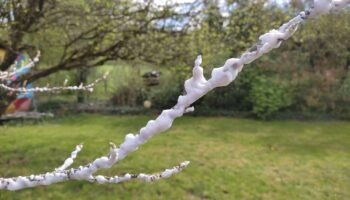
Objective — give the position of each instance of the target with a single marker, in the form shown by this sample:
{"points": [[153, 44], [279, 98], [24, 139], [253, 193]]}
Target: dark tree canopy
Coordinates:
{"points": [[88, 33]]}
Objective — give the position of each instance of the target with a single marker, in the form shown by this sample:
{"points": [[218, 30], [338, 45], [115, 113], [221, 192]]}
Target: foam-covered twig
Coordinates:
{"points": [[89, 87], [69, 161], [141, 176], [5, 78]]}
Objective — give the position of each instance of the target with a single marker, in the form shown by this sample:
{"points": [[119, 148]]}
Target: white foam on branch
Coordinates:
{"points": [[5, 77], [69, 161], [89, 87], [195, 87]]}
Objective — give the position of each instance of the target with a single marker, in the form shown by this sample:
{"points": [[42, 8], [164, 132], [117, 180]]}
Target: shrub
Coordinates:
{"points": [[342, 108], [128, 96], [268, 95], [171, 86]]}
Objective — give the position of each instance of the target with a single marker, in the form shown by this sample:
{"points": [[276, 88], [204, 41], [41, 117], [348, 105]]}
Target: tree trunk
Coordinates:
{"points": [[82, 75]]}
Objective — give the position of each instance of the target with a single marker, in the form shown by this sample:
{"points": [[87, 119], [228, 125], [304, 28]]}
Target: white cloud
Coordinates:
{"points": [[164, 2], [221, 2]]}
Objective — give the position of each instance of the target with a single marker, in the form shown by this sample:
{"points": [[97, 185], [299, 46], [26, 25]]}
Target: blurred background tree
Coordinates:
{"points": [[76, 34], [309, 75]]}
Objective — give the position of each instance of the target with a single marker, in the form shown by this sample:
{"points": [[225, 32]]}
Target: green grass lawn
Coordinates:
{"points": [[230, 158]]}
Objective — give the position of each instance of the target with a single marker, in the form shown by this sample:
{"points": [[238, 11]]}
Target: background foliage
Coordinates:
{"points": [[308, 75]]}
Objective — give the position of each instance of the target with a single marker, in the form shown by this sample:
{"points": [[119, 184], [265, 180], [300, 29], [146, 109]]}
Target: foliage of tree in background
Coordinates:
{"points": [[309, 75], [75, 34]]}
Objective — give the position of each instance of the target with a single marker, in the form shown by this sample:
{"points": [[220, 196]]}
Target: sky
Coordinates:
{"points": [[162, 2], [224, 12]]}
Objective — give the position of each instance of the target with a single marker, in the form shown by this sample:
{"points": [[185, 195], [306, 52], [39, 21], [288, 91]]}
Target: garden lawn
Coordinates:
{"points": [[230, 158]]}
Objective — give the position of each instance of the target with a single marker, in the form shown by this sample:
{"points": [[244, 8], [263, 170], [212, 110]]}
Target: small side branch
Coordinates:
{"points": [[84, 173], [90, 87], [141, 176], [69, 161]]}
